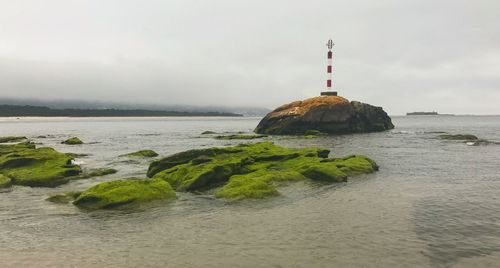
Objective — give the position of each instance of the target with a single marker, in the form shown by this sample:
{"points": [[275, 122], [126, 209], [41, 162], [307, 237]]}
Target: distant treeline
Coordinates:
{"points": [[28, 110]]}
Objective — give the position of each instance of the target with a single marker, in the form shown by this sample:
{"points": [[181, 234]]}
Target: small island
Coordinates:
{"points": [[328, 114], [422, 113], [428, 113]]}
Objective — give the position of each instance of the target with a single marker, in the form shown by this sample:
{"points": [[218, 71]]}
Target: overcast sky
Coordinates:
{"points": [[419, 55]]}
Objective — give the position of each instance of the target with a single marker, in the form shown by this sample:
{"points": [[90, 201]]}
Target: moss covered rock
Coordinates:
{"points": [[257, 185], [73, 141], [185, 157], [242, 187], [5, 181], [12, 139], [253, 170], [141, 153], [64, 198], [124, 193], [27, 165]]}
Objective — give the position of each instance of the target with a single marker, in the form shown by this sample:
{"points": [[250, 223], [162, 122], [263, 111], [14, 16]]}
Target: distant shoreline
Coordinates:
{"points": [[42, 111]]}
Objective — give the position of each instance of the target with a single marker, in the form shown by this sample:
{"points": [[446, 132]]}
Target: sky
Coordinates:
{"points": [[403, 55]]}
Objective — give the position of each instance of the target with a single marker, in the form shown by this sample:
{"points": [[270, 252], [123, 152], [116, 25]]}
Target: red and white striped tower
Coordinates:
{"points": [[329, 71]]}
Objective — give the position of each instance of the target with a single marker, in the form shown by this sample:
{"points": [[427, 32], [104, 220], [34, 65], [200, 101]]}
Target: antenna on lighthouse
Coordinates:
{"points": [[329, 71]]}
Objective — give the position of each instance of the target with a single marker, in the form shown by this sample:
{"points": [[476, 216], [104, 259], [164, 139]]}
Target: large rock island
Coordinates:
{"points": [[327, 114]]}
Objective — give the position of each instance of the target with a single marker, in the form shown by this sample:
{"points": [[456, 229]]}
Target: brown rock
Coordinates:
{"points": [[327, 114]]}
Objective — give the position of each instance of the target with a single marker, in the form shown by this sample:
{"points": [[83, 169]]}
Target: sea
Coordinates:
{"points": [[433, 203]]}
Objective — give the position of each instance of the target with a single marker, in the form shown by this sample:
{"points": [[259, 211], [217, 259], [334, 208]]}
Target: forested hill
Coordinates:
{"points": [[28, 110]]}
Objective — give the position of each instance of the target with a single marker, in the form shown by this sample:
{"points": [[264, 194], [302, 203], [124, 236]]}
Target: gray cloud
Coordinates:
{"points": [[402, 55]]}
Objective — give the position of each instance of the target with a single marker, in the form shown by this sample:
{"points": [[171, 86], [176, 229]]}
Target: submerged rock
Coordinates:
{"points": [[73, 141], [27, 165], [121, 193], [141, 153], [314, 133], [64, 198], [252, 171], [208, 132], [96, 172], [480, 142], [75, 155], [460, 137], [12, 139], [468, 139], [240, 137], [326, 114]]}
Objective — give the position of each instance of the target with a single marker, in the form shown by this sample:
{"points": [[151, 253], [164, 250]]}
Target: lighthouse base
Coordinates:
{"points": [[329, 93]]}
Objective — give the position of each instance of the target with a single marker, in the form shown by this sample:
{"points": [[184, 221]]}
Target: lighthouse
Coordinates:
{"points": [[329, 71]]}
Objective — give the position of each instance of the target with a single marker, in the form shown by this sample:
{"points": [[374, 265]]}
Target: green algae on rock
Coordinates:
{"points": [[257, 185], [185, 157], [252, 170], [73, 141], [27, 165], [5, 182], [141, 153], [12, 139], [64, 198], [240, 137], [241, 187], [124, 193]]}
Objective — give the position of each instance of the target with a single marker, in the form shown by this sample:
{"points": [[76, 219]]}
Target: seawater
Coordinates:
{"points": [[434, 203]]}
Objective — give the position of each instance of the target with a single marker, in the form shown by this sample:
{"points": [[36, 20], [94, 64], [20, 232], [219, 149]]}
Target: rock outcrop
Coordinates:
{"points": [[141, 153], [326, 114], [459, 137], [253, 170], [24, 164], [73, 141], [468, 139]]}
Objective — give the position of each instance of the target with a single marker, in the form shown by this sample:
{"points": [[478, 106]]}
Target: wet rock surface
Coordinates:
{"points": [[25, 164], [124, 193], [253, 170]]}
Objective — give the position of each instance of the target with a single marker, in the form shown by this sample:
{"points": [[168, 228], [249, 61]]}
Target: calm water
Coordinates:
{"points": [[433, 203]]}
